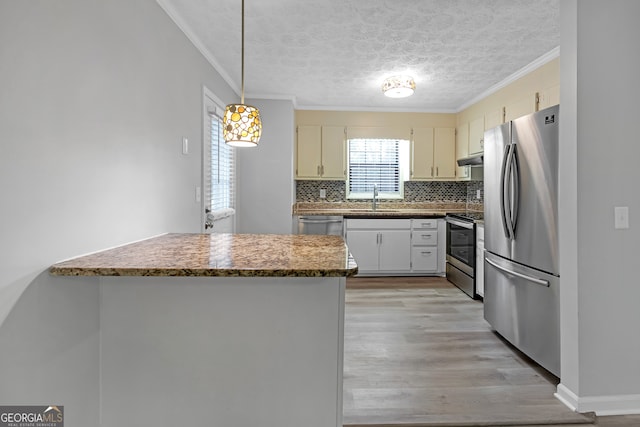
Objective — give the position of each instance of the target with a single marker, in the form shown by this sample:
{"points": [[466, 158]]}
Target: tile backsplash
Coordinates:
{"points": [[414, 191]]}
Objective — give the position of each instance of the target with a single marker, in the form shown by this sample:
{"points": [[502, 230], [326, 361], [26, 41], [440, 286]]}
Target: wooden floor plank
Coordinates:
{"points": [[418, 351]]}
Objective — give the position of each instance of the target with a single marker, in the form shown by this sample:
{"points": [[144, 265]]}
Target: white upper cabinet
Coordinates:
{"points": [[333, 152], [444, 152], [476, 136], [549, 97], [521, 107], [433, 154], [422, 154], [320, 152], [462, 150], [493, 118], [308, 152]]}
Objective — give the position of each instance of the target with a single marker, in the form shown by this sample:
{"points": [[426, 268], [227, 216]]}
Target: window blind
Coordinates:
{"points": [[222, 169], [374, 161]]}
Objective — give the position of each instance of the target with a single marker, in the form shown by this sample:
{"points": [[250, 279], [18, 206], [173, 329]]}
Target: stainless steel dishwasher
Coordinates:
{"points": [[320, 224]]}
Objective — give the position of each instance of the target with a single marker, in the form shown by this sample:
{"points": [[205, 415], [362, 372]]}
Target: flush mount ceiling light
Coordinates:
{"points": [[398, 86], [242, 124]]}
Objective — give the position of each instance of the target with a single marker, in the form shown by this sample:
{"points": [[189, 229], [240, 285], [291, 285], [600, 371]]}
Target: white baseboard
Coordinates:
{"points": [[566, 396], [624, 404]]}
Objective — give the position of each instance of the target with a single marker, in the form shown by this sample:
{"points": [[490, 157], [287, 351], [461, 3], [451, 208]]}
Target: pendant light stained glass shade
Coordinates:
{"points": [[242, 125]]}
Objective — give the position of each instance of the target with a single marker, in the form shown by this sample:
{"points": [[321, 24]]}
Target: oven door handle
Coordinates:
{"points": [[463, 224]]}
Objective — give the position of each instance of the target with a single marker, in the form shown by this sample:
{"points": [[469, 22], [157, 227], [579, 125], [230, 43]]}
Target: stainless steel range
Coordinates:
{"points": [[461, 251]]}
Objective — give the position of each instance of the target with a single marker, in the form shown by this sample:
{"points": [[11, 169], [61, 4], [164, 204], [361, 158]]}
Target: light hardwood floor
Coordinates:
{"points": [[418, 351]]}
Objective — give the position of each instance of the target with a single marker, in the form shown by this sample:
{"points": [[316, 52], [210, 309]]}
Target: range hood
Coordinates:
{"points": [[475, 160]]}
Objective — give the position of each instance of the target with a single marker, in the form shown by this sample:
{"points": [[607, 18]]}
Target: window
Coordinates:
{"points": [[377, 161], [218, 166], [222, 168]]}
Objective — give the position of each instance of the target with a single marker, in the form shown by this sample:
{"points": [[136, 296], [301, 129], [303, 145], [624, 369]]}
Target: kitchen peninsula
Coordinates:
{"points": [[220, 329]]}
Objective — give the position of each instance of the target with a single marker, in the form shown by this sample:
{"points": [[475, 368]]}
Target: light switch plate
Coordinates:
{"points": [[185, 145], [621, 214], [323, 193]]}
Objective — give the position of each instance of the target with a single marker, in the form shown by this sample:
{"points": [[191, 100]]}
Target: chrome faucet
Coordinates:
{"points": [[374, 201]]}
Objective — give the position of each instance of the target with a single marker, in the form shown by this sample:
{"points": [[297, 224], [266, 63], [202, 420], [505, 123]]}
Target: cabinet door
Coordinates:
{"points": [[363, 245], [462, 149], [476, 136], [522, 107], [548, 97], [333, 152], [493, 119], [444, 153], [422, 154], [395, 250], [308, 152]]}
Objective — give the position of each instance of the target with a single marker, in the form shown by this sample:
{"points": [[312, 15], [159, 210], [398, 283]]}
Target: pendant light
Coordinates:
{"points": [[242, 124]]}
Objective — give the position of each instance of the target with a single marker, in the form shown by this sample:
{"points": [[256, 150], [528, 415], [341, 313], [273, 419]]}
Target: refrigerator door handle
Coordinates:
{"points": [[535, 280], [515, 168], [508, 192], [503, 191]]}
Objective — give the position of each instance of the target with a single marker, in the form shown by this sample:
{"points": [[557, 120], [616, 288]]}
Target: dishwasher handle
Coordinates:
{"points": [[319, 221]]}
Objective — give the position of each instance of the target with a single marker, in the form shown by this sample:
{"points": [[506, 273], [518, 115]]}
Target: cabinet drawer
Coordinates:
{"points": [[424, 258], [377, 224], [424, 223], [424, 238]]}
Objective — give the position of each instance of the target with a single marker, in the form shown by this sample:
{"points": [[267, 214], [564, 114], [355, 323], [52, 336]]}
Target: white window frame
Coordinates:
{"points": [[403, 165], [214, 107]]}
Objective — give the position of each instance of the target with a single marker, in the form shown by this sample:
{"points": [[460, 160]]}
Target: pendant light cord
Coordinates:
{"points": [[242, 53]]}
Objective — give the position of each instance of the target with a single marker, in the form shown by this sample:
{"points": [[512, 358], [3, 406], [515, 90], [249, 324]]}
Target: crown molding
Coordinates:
{"points": [[375, 109], [535, 64]]}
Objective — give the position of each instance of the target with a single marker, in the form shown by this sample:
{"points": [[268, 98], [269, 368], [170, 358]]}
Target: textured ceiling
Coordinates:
{"points": [[334, 54]]}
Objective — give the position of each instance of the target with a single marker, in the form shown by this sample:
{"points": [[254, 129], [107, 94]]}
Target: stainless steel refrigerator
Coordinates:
{"points": [[521, 269]]}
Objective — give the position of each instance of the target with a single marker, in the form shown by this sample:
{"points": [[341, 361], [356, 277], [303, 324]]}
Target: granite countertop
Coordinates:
{"points": [[384, 210], [208, 255]]}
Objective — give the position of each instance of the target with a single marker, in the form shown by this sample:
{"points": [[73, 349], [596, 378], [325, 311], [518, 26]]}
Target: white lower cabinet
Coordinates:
{"points": [[380, 245], [424, 245], [480, 260], [396, 246], [424, 259], [394, 253], [363, 245]]}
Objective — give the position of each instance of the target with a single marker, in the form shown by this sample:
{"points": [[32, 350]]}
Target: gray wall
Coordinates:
{"points": [[95, 99], [265, 173], [600, 65]]}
